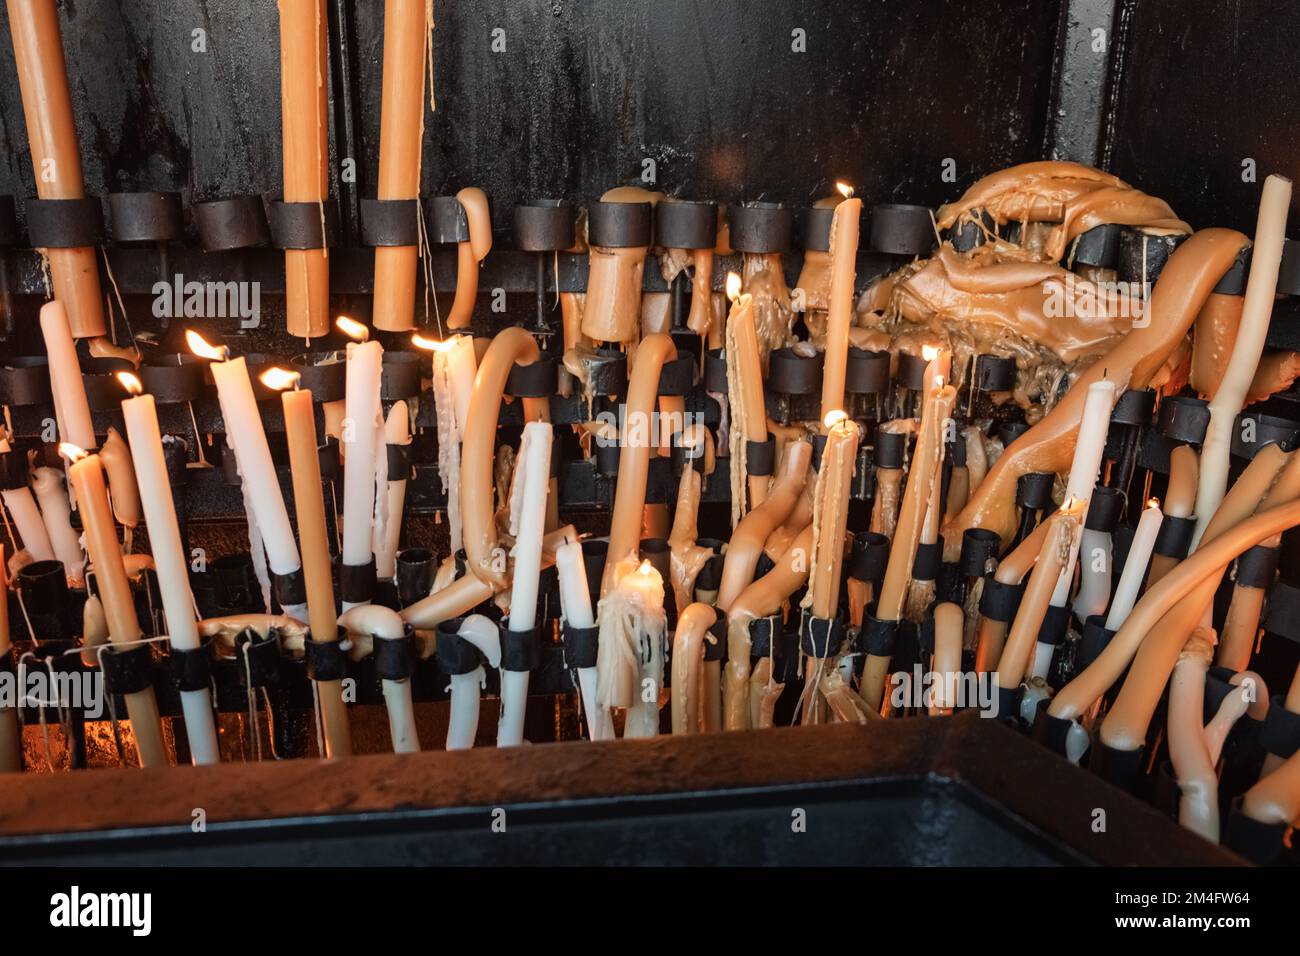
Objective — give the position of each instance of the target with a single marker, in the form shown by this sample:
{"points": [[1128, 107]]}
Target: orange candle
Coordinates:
{"points": [[56, 161], [401, 137], [304, 122], [745, 396], [831, 505], [86, 472], [309, 506], [844, 254]]}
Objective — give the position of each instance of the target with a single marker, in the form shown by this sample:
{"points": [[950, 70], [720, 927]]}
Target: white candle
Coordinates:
{"points": [[246, 436], [528, 494], [454, 366], [56, 514], [1088, 451], [1135, 566], [575, 602], [361, 435], [27, 518], [145, 440], [71, 409]]}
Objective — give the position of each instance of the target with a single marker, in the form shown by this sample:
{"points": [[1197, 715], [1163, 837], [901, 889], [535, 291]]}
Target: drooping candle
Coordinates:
{"points": [[1135, 566], [844, 252], [309, 505], [401, 138], [56, 158], [114, 590], [141, 417], [304, 120]]}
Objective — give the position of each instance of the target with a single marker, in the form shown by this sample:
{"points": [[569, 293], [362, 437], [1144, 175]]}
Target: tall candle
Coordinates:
{"points": [[304, 70], [141, 416], [831, 505], [114, 590], [1135, 566], [361, 437], [56, 159], [744, 396], [309, 505], [528, 495], [401, 136], [246, 436], [575, 602], [844, 252], [71, 409], [1086, 466], [454, 367]]}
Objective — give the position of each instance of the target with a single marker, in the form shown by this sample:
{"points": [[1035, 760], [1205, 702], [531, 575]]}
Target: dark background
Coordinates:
{"points": [[709, 89]]}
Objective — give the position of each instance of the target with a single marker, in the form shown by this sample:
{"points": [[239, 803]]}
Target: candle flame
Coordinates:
{"points": [[835, 417], [1153, 502], [200, 347], [279, 378], [1072, 505], [431, 345], [352, 328], [845, 190], [733, 286], [938, 382], [930, 352], [130, 382], [646, 568], [72, 452]]}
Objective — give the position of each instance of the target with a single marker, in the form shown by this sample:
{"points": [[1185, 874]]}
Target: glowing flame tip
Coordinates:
{"points": [[431, 345], [845, 190], [72, 452], [733, 286], [130, 382], [352, 328], [200, 347], [279, 379], [835, 417]]}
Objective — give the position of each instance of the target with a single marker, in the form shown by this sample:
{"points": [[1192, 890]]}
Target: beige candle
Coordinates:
{"points": [[831, 514], [309, 507], [401, 138], [56, 160], [844, 253], [304, 70], [469, 254], [744, 398], [114, 589]]}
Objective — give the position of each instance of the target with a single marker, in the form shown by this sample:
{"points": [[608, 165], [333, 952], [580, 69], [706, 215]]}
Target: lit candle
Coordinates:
{"points": [[454, 368], [630, 659], [362, 436], [1085, 467], [304, 70], [114, 590], [56, 157], [56, 514], [575, 602], [141, 416], [844, 253], [744, 397], [1135, 566], [71, 410], [401, 138], [528, 494], [309, 505], [263, 501]]}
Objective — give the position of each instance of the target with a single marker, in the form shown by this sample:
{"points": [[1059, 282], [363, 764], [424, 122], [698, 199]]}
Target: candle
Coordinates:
{"points": [[11, 745], [844, 253], [631, 655], [528, 494], [1180, 502], [744, 397], [57, 517], [575, 602], [27, 518], [1256, 313], [71, 410], [309, 505], [123, 490], [114, 590], [688, 701], [263, 501], [361, 437], [397, 432], [469, 254], [1135, 566], [831, 505], [454, 368], [1086, 467], [401, 138], [304, 70], [141, 417], [1060, 539], [56, 158]]}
